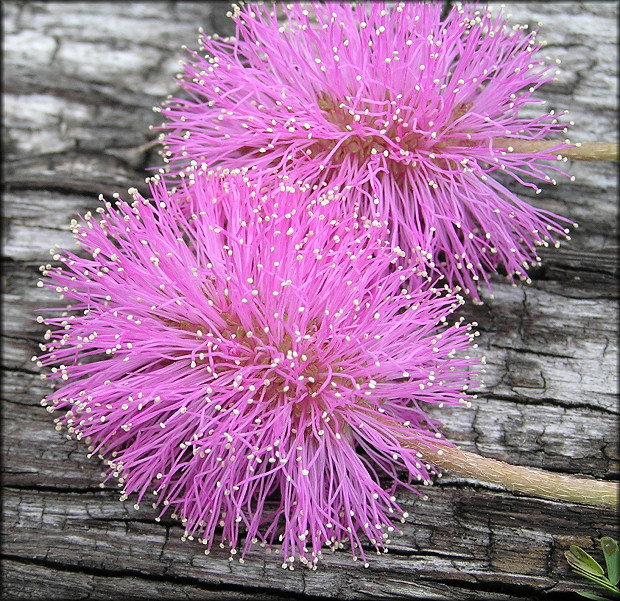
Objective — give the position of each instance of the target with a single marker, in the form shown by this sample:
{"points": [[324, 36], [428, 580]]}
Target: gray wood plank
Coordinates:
{"points": [[80, 80]]}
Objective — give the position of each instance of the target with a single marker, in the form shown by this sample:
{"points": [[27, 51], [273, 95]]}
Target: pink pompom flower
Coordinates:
{"points": [[418, 113], [255, 366]]}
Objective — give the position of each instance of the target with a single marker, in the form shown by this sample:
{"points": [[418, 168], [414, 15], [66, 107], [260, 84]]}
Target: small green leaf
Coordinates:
{"points": [[610, 587], [590, 575], [578, 558], [600, 580], [612, 558]]}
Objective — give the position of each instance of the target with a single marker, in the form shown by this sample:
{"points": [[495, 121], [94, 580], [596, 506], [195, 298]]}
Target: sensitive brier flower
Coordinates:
{"points": [[258, 376], [420, 114]]}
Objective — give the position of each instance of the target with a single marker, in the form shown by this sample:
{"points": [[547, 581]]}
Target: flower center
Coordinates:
{"points": [[284, 369], [393, 138]]}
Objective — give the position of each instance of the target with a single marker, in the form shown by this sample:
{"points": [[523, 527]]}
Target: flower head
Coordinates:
{"points": [[416, 112], [257, 375]]}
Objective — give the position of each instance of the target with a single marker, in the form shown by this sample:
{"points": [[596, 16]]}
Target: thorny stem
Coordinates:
{"points": [[531, 481], [580, 151]]}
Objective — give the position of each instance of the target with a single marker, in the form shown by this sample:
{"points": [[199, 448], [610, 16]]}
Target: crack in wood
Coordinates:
{"points": [[173, 579]]}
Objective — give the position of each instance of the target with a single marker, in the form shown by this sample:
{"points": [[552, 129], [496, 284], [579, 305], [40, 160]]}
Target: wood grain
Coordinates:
{"points": [[80, 80]]}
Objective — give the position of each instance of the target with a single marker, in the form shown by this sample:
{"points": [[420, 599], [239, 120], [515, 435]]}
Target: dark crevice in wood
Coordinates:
{"points": [[524, 351], [59, 489], [83, 91], [179, 580], [519, 590], [558, 261], [65, 187], [489, 395], [23, 370], [32, 339]]}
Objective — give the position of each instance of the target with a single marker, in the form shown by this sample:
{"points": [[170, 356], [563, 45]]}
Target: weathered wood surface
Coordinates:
{"points": [[80, 80]]}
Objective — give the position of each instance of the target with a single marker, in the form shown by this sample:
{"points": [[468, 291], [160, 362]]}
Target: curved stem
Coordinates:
{"points": [[527, 480], [532, 481], [580, 151]]}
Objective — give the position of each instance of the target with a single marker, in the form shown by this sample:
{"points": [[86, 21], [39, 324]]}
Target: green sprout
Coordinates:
{"points": [[585, 565]]}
